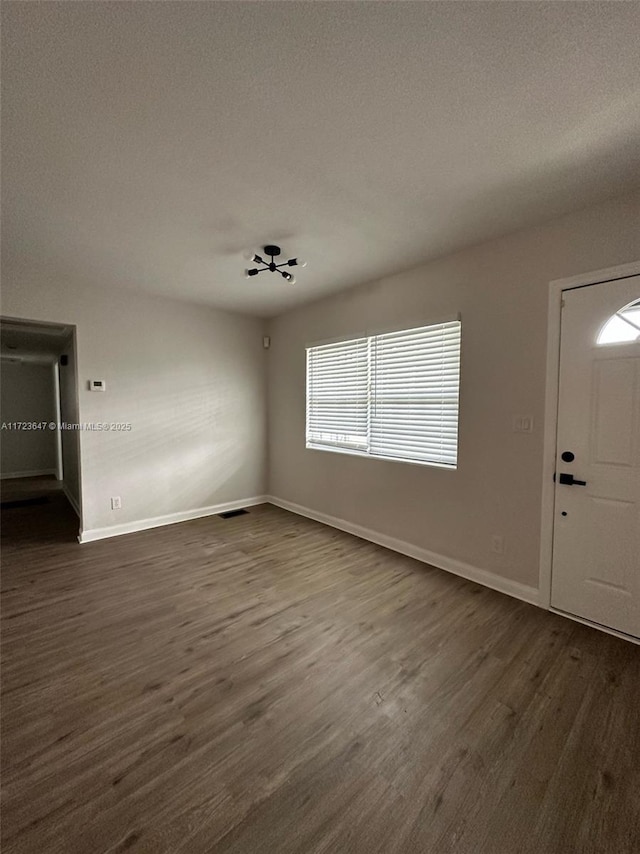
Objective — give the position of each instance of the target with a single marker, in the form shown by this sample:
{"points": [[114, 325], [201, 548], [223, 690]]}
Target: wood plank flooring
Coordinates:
{"points": [[267, 684]]}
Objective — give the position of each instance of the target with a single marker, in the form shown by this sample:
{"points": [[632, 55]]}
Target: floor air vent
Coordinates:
{"points": [[231, 513]]}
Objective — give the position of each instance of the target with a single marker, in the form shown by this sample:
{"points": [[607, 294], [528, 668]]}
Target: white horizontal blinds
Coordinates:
{"points": [[337, 394], [414, 407]]}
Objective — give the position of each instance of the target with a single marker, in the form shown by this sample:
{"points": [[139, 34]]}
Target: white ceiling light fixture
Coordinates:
{"points": [[273, 252]]}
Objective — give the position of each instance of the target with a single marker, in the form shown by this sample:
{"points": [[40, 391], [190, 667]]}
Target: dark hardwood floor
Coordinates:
{"points": [[267, 684]]}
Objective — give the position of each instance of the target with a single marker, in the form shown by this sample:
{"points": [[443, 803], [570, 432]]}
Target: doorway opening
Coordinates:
{"points": [[40, 451]]}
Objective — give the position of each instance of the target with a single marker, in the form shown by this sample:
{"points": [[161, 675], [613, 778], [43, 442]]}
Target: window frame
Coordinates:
{"points": [[619, 314], [370, 336]]}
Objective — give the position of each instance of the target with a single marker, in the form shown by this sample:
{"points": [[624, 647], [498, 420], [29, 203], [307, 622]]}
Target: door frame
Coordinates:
{"points": [[550, 426], [56, 392]]}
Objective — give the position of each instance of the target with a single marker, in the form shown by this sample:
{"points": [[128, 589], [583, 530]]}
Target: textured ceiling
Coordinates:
{"points": [[147, 145]]}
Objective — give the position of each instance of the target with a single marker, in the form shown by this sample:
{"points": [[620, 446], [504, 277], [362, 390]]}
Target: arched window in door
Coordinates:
{"points": [[623, 326]]}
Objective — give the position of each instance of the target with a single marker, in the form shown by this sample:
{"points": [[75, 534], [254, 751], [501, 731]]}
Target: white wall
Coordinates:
{"points": [[27, 395], [189, 379], [501, 290]]}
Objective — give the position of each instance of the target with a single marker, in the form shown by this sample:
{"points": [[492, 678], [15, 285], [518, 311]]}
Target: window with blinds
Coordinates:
{"points": [[393, 396]]}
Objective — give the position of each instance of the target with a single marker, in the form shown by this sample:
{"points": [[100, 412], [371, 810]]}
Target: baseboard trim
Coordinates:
{"points": [[93, 534], [584, 622], [15, 474], [457, 567], [72, 501]]}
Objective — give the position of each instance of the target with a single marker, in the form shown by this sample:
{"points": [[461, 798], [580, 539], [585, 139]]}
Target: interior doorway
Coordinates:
{"points": [[40, 459]]}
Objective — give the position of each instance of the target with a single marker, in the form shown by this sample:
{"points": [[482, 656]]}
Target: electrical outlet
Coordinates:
{"points": [[116, 503], [497, 544], [523, 424]]}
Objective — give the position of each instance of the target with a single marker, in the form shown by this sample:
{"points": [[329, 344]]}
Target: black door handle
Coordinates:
{"points": [[569, 480]]}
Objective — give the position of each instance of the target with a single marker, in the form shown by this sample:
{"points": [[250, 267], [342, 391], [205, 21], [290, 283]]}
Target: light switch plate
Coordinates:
{"points": [[523, 424]]}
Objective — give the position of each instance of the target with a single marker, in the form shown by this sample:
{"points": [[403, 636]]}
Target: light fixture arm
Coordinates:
{"points": [[273, 252]]}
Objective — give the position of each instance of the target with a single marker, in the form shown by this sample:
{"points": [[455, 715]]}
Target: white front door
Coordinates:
{"points": [[596, 542]]}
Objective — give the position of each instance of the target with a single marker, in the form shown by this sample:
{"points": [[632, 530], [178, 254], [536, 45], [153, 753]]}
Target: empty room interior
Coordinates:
{"points": [[320, 362]]}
